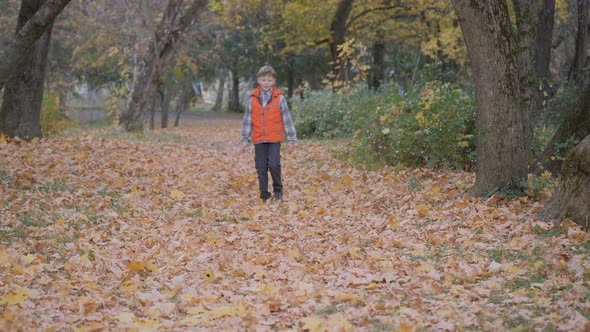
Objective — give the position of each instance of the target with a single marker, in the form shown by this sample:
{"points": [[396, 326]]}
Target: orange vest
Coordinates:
{"points": [[267, 122]]}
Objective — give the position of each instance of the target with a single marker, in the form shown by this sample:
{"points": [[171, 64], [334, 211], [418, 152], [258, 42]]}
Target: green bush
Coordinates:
{"points": [[432, 125], [323, 114], [53, 121]]}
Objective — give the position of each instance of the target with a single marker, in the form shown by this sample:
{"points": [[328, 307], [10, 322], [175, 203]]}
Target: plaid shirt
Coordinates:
{"points": [[287, 121]]}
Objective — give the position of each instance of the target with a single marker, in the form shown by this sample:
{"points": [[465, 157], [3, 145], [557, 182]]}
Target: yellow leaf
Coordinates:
{"points": [[13, 298], [147, 325], [346, 297], [209, 275], [392, 223], [88, 327], [196, 310], [346, 179], [546, 175], [405, 327], [2, 139], [267, 289], [175, 194], [463, 144], [229, 311], [60, 222], [136, 266], [313, 324], [28, 258], [152, 267]]}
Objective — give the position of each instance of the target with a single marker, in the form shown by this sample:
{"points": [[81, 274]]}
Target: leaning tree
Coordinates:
{"points": [[169, 34]]}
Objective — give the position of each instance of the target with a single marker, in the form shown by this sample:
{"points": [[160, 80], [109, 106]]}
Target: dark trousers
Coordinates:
{"points": [[267, 157]]}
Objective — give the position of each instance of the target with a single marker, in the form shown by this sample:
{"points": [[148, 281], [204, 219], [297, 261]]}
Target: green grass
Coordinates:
{"points": [[555, 231], [328, 310]]}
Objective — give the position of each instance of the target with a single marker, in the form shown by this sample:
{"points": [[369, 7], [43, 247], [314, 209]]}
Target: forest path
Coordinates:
{"points": [[168, 233]]}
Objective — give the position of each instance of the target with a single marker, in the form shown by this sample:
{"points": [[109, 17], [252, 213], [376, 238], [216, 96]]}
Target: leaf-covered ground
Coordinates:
{"points": [[104, 231]]}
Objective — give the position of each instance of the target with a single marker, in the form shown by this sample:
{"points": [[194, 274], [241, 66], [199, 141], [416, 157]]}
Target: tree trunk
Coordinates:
{"points": [[185, 97], [574, 127], [290, 77], [234, 98], [578, 76], [378, 61], [502, 64], [572, 197], [164, 106], [39, 16], [338, 29], [219, 96], [20, 113], [169, 34], [543, 55]]}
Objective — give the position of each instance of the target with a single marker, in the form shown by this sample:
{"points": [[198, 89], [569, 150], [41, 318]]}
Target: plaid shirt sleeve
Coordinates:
{"points": [[247, 124], [288, 121]]}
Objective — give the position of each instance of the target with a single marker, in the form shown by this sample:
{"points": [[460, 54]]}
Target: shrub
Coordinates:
{"points": [[53, 121], [323, 114], [432, 125]]}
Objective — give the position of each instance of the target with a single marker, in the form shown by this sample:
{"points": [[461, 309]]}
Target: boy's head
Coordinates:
{"points": [[266, 78]]}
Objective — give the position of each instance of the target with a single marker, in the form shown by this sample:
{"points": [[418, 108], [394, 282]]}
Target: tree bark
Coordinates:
{"points": [[338, 29], [378, 60], [20, 113], [234, 97], [219, 96], [38, 22], [572, 197], [186, 95], [169, 34], [574, 127], [543, 55], [577, 75], [164, 105], [502, 63]]}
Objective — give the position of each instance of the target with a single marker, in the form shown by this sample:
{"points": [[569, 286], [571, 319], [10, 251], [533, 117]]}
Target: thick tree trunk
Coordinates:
{"points": [[574, 127], [543, 56], [502, 64], [20, 113], [37, 22], [169, 34], [578, 76], [572, 197]]}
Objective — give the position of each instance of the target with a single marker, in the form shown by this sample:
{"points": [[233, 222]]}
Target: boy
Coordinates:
{"points": [[265, 122]]}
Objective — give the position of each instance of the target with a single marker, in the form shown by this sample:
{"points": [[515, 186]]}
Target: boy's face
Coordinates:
{"points": [[266, 82]]}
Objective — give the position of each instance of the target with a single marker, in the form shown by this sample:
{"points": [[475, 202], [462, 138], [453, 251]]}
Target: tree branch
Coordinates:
{"points": [[12, 56]]}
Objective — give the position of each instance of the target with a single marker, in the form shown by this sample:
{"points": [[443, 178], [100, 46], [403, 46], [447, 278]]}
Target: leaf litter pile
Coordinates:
{"points": [[166, 232]]}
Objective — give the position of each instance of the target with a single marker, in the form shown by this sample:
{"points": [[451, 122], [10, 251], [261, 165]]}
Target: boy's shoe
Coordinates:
{"points": [[278, 196], [264, 197]]}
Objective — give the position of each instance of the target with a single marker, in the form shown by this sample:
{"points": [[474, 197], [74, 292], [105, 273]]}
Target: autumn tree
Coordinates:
{"points": [[22, 68], [170, 33], [502, 62], [572, 198]]}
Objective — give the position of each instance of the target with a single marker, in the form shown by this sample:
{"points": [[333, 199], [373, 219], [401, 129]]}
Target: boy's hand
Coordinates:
{"points": [[243, 146], [290, 147]]}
